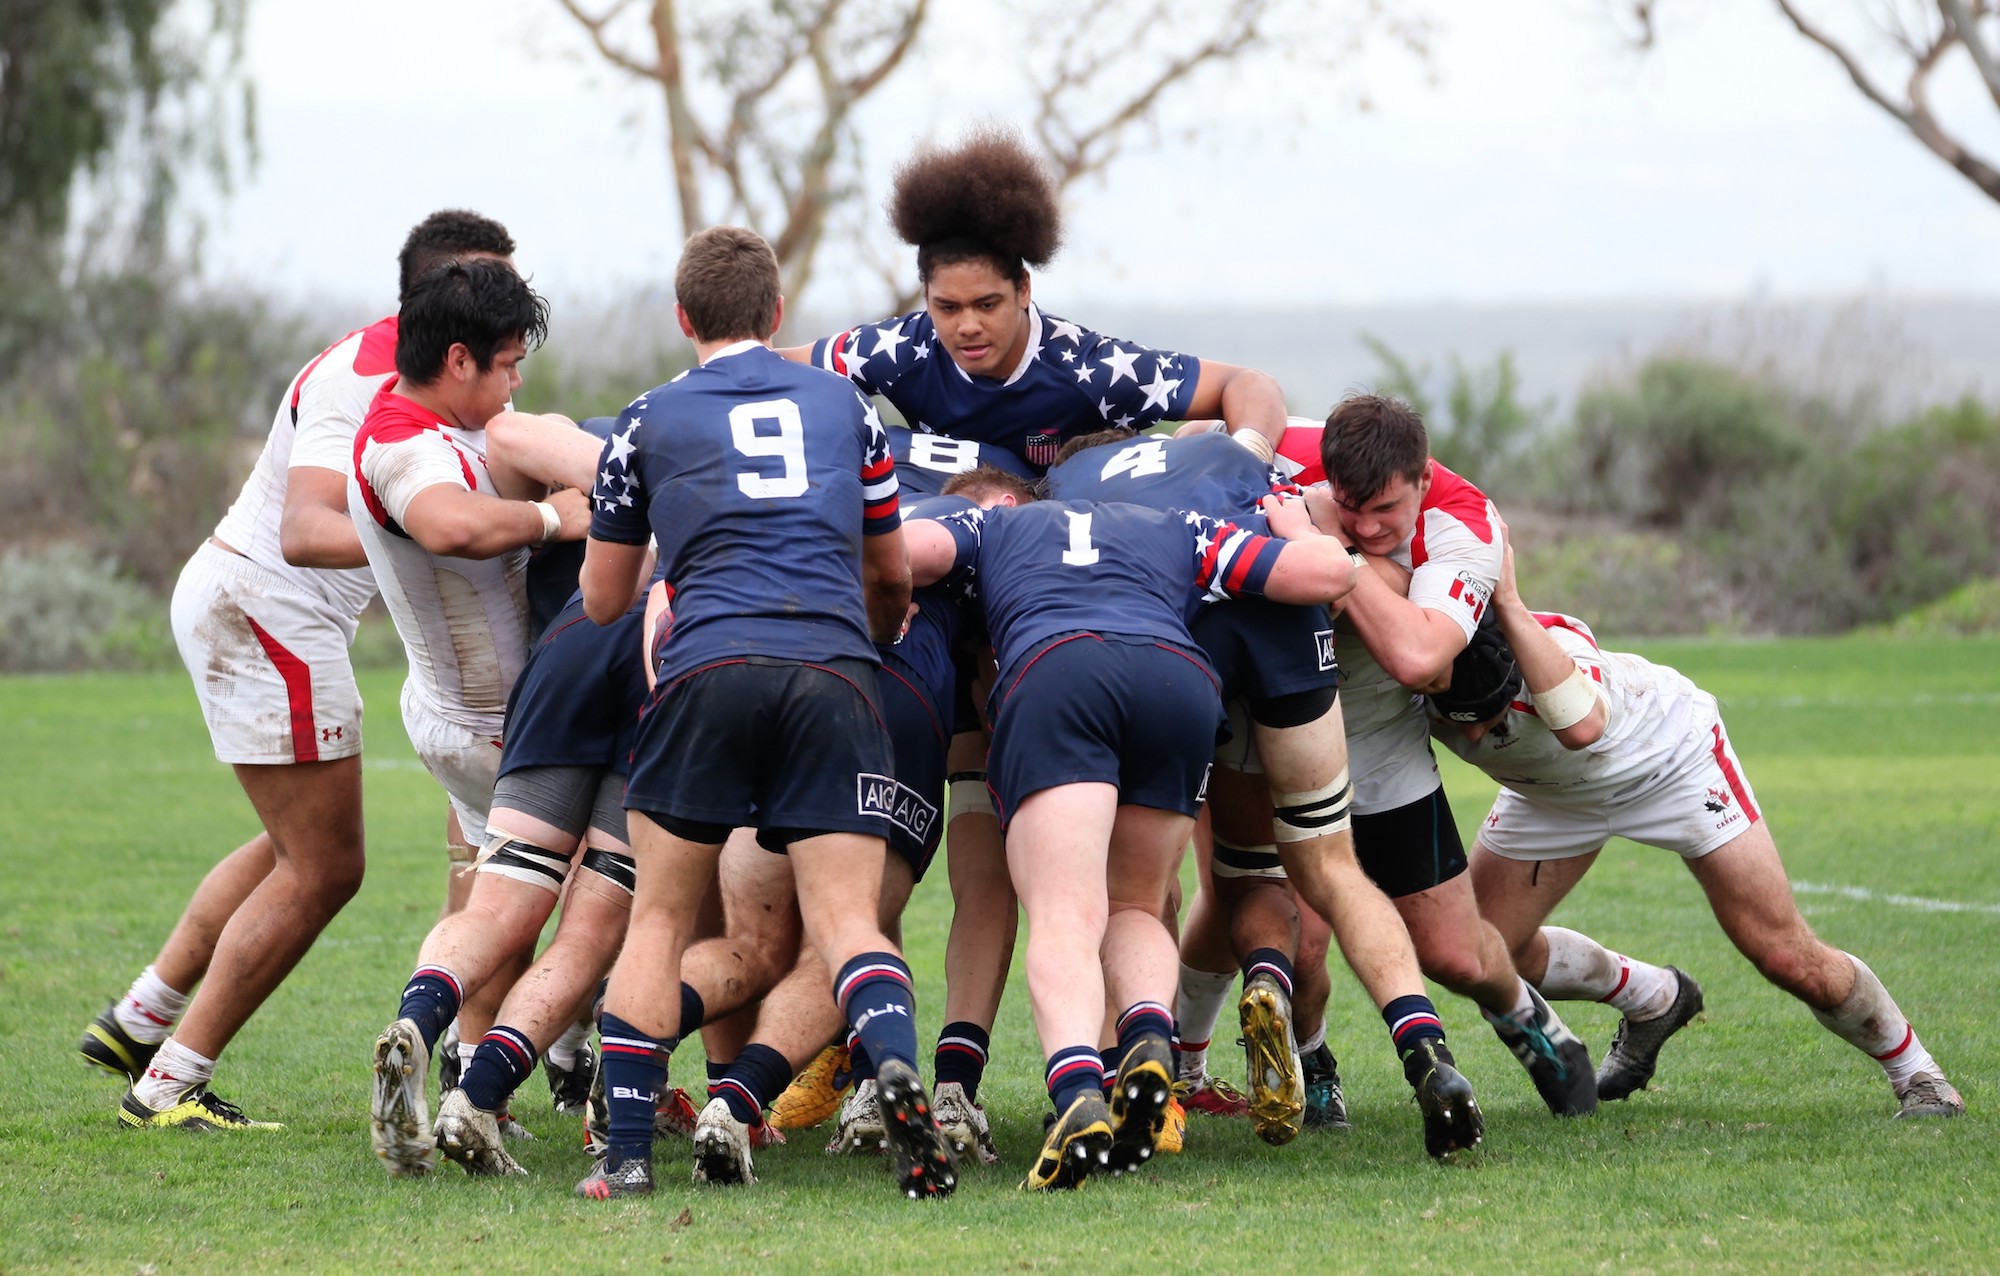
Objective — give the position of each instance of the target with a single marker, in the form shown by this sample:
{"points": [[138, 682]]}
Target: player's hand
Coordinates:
{"points": [[1288, 518], [573, 507]]}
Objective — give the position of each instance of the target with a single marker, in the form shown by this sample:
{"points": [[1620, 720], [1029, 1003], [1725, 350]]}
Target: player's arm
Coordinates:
{"points": [[453, 522], [315, 529], [885, 581], [611, 576], [1414, 644], [528, 454], [1243, 397], [1567, 699], [932, 549], [797, 354], [1312, 566]]}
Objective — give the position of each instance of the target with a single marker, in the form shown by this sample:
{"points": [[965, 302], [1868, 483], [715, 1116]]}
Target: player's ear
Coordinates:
{"points": [[1025, 288], [681, 317], [778, 317]]}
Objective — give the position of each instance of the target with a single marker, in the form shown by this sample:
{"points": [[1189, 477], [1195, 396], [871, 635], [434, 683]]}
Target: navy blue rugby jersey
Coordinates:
{"points": [[926, 462], [1055, 567], [758, 478], [1206, 472], [1072, 381], [926, 652]]}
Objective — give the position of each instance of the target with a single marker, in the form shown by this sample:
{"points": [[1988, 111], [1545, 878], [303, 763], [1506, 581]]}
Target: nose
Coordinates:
{"points": [[1475, 732]]}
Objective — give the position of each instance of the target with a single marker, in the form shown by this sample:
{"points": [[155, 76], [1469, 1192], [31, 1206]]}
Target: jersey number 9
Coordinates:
{"points": [[788, 446]]}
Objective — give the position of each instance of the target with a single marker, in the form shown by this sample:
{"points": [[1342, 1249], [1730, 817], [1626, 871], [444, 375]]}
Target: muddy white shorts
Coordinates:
{"points": [[269, 662], [1692, 808], [465, 760]]}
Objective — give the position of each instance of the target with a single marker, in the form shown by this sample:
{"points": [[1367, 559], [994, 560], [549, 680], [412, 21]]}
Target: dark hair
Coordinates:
{"points": [[989, 480], [479, 303], [727, 282], [1370, 439], [987, 199], [1484, 677], [445, 234], [1085, 442]]}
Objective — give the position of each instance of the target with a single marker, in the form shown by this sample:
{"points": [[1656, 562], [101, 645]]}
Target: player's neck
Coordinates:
{"points": [[706, 350], [432, 400]]}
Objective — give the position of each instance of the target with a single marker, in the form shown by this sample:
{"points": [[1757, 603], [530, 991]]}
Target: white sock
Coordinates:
{"points": [[1197, 1008], [1520, 1014], [1871, 1021], [174, 1069], [1581, 969], [466, 1049], [149, 1009], [1315, 1041], [563, 1053]]}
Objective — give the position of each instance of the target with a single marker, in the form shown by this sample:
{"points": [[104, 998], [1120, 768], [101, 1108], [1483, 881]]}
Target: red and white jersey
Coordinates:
{"points": [[464, 621], [1659, 723], [316, 423], [1298, 451]]}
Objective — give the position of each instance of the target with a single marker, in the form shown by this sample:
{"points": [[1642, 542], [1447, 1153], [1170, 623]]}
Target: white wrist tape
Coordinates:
{"points": [[551, 521], [1568, 702], [1257, 445]]}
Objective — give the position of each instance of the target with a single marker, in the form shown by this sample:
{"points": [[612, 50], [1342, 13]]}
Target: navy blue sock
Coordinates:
{"points": [[1412, 1020], [1111, 1059], [1269, 961], [635, 1071], [759, 1074], [874, 993], [693, 1011], [961, 1056], [430, 1000], [859, 1066], [1143, 1019], [504, 1060], [717, 1070], [1071, 1072]]}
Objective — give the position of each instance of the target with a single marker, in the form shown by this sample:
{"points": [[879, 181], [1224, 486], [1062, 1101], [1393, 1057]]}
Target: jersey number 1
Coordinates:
{"points": [[1081, 553], [788, 445]]}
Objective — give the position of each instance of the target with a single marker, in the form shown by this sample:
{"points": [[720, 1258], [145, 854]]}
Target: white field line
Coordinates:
{"points": [[1922, 698], [1866, 896]]}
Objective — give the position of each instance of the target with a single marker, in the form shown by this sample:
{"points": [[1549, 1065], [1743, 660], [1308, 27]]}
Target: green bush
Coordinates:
{"points": [[63, 607], [1970, 611], [1622, 583]]}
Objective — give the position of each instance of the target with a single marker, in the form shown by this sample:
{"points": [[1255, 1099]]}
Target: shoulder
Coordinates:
{"points": [[1456, 497]]}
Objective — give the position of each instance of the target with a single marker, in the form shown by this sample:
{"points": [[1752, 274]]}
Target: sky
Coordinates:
{"points": [[1534, 158]]}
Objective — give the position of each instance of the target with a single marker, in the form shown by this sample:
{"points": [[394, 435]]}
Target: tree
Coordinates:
{"points": [[1919, 37], [761, 95]]}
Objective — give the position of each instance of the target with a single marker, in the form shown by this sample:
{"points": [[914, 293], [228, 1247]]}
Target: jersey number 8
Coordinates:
{"points": [[788, 445]]}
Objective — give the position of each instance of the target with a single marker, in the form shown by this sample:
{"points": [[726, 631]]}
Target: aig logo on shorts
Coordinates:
{"points": [[900, 805], [1326, 657]]}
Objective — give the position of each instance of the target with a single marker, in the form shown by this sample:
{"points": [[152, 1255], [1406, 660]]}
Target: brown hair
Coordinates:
{"points": [[727, 283], [1370, 439], [989, 480], [1084, 442]]}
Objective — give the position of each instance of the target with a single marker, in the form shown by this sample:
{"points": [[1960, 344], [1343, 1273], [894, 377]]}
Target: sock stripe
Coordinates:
{"points": [[959, 1045], [147, 1014], [1909, 1035], [511, 1040], [1419, 1019], [1272, 969], [628, 1045], [1624, 977], [716, 1088], [1079, 1065], [852, 979], [439, 972], [1143, 1008]]}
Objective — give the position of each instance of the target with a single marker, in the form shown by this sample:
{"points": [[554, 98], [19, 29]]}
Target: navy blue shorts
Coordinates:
{"points": [[920, 741], [577, 700], [794, 749], [1100, 708], [1278, 657], [1411, 848]]}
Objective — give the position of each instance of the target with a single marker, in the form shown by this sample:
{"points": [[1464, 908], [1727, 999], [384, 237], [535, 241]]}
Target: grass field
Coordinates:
{"points": [[1765, 1143]]}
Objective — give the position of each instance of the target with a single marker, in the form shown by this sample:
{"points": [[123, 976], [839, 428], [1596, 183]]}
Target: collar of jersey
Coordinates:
{"points": [[1029, 352], [734, 347]]}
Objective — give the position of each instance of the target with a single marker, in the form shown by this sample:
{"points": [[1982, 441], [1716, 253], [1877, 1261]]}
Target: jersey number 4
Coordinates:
{"points": [[787, 446]]}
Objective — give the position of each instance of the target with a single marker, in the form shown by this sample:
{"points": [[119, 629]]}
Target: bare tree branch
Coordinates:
{"points": [[1964, 22]]}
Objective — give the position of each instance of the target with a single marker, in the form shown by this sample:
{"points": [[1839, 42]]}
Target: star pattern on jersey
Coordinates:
{"points": [[1064, 330], [921, 350], [887, 338], [1121, 363], [1160, 389], [615, 483], [1083, 372]]}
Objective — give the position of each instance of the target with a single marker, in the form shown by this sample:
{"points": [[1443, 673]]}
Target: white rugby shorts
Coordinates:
{"points": [[464, 760], [269, 663], [1699, 805]]}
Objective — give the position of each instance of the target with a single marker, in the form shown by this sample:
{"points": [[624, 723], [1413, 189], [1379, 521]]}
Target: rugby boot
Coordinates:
{"points": [[399, 1115], [860, 1128], [1277, 1095], [815, 1094], [1452, 1122], [1326, 1106], [569, 1088], [1076, 1144], [919, 1154], [471, 1136], [964, 1123], [1556, 1059], [1210, 1094], [721, 1147], [631, 1177], [1140, 1096], [107, 1045], [195, 1109], [1928, 1094], [675, 1114], [1635, 1047], [597, 1121], [1173, 1131]]}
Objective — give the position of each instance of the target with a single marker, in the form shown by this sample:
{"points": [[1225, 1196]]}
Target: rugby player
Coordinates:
{"points": [[1589, 744], [772, 496], [263, 615]]}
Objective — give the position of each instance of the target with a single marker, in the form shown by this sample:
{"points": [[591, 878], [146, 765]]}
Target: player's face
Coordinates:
{"points": [[488, 393], [981, 316], [1384, 522]]}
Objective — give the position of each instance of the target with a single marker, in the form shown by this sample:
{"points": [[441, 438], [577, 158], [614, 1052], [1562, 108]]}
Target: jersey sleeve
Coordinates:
{"points": [[874, 357], [965, 527], [878, 476], [330, 413], [618, 499], [397, 469], [1230, 560], [1133, 385], [1459, 569]]}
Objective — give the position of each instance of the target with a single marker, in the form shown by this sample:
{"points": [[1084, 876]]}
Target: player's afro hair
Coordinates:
{"points": [[988, 197]]}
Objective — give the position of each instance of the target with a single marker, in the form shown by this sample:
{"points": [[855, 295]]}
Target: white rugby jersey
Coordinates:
{"points": [[315, 425], [1659, 722], [463, 621]]}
